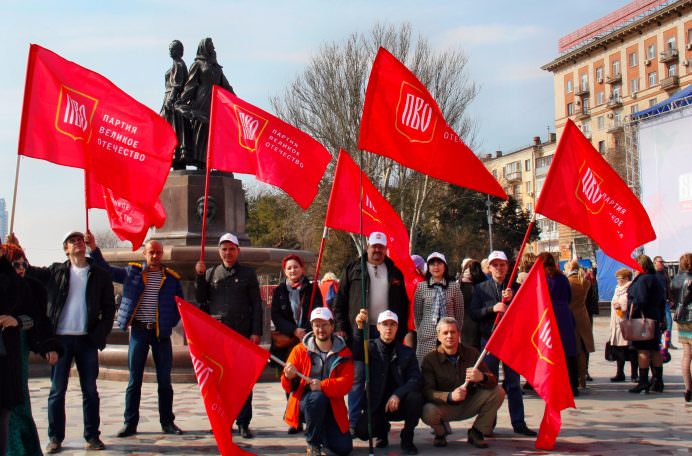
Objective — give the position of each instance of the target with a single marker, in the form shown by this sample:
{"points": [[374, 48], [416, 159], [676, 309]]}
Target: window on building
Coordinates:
{"points": [[600, 122], [584, 82], [616, 93], [600, 98], [516, 190], [634, 85], [671, 43], [527, 165], [672, 70], [689, 35], [585, 105], [601, 146], [651, 51], [599, 74], [512, 170], [528, 187], [570, 109], [586, 128], [633, 108], [617, 117], [539, 183], [543, 162], [569, 86], [652, 102], [495, 173], [616, 67], [652, 79], [633, 59]]}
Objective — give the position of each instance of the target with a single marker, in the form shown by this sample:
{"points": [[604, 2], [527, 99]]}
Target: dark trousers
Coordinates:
{"points": [[245, 415], [512, 386], [410, 410], [4, 429], [320, 425], [356, 397], [161, 349], [84, 353]]}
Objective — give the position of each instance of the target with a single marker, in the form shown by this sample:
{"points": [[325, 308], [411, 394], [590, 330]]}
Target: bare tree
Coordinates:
{"points": [[107, 240], [326, 101]]}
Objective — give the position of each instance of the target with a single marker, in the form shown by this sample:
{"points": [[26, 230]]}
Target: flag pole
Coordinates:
{"points": [[512, 277], [86, 200], [14, 196], [206, 175], [283, 364], [363, 305], [325, 234]]}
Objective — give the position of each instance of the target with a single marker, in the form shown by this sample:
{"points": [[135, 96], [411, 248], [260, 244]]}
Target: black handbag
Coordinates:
{"points": [[609, 355]]}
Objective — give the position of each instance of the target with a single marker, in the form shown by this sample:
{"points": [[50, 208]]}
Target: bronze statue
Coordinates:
{"points": [[195, 102], [176, 77]]}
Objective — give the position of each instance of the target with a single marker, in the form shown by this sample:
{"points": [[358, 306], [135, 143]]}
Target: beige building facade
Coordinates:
{"points": [[625, 62]]}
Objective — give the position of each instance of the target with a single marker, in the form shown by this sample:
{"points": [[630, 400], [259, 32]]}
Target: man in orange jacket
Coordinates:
{"points": [[324, 358]]}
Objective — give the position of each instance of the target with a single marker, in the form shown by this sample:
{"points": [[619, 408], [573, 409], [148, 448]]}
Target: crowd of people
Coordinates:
{"points": [[420, 357]]}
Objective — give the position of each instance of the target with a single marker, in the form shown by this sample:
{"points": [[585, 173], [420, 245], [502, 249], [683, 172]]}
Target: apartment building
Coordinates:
{"points": [[613, 67]]}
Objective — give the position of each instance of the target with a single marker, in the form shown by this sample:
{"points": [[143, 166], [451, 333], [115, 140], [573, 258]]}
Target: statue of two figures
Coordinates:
{"points": [[187, 101]]}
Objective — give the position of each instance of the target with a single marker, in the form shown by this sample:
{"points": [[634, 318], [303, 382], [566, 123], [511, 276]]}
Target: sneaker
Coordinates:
{"points": [[440, 441], [95, 444], [53, 447], [476, 438]]}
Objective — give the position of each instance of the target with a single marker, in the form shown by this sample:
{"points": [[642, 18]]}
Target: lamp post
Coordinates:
{"points": [[490, 222]]}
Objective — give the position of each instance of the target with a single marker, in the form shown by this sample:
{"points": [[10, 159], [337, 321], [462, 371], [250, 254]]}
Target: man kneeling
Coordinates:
{"points": [[395, 382], [444, 372], [326, 360]]}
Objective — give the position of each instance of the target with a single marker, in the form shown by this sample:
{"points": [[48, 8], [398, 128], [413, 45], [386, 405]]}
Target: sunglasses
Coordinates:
{"points": [[20, 264]]}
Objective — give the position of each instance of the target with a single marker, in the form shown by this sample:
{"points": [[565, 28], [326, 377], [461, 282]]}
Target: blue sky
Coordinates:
{"points": [[263, 46]]}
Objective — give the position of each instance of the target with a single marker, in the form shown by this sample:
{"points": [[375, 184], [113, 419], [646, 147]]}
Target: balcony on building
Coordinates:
{"points": [[614, 102], [669, 55], [582, 90], [512, 176], [614, 78], [583, 114], [671, 82], [615, 126]]}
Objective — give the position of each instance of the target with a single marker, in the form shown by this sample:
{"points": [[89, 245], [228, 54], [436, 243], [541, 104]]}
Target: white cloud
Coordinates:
{"points": [[490, 34]]}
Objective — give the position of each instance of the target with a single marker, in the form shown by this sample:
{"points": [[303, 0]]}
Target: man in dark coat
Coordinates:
{"points": [[230, 293], [81, 306], [395, 382], [384, 290], [489, 299]]}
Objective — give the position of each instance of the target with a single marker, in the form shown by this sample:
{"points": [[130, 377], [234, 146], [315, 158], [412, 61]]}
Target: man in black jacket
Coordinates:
{"points": [[81, 307], [384, 290], [230, 293], [395, 382], [490, 298]]}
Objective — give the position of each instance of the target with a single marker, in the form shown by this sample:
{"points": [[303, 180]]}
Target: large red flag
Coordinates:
{"points": [[583, 192], [227, 366], [402, 121], [128, 221], [344, 213], [75, 117], [528, 340], [245, 139]]}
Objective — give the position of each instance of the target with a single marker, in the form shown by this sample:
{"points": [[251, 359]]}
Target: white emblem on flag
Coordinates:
{"points": [[250, 126], [75, 113], [545, 335]]}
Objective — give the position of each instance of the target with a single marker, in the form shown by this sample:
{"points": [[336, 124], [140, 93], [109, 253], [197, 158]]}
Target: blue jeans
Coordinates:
{"points": [[320, 425], [161, 349], [85, 355], [512, 385]]}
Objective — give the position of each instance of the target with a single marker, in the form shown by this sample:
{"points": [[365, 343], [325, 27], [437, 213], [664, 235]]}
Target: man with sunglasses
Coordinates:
{"points": [[81, 307]]}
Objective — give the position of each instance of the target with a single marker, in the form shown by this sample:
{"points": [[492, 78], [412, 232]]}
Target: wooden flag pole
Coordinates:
{"points": [[325, 234]]}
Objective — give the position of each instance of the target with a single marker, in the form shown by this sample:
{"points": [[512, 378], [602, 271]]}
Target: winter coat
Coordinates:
{"points": [[618, 303], [336, 376], [470, 331], [682, 297], [426, 322], [646, 297], [485, 296], [232, 296], [348, 299], [580, 290], [561, 295], [100, 298]]}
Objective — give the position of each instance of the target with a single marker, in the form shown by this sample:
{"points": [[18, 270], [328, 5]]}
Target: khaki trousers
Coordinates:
{"points": [[483, 402]]}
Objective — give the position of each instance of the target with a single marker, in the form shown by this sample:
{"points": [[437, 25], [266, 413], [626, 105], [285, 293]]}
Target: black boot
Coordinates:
{"points": [[619, 355], [643, 384], [407, 445], [657, 379]]}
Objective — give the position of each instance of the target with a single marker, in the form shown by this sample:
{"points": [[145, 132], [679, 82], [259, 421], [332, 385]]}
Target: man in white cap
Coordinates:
{"points": [[489, 299], [384, 290], [395, 385], [230, 293], [324, 358], [81, 306]]}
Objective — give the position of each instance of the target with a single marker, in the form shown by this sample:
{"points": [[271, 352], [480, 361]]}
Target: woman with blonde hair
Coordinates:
{"points": [[618, 313], [580, 289], [682, 300]]}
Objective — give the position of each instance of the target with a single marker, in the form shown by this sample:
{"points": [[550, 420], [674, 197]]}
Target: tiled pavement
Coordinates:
{"points": [[608, 420]]}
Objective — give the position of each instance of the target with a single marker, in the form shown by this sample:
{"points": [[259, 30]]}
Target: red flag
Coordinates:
{"points": [[344, 213], [528, 340], [128, 221], [402, 121], [75, 117], [583, 192], [227, 366], [245, 139]]}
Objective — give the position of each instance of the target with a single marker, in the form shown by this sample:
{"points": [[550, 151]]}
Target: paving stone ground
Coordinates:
{"points": [[607, 421]]}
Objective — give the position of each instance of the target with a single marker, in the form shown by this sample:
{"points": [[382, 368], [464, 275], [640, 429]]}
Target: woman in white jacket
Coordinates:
{"points": [[618, 313]]}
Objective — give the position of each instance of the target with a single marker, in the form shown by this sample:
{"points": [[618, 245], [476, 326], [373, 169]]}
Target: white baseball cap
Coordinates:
{"points": [[69, 234], [321, 313], [377, 237], [436, 255], [229, 237], [387, 315], [497, 255]]}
